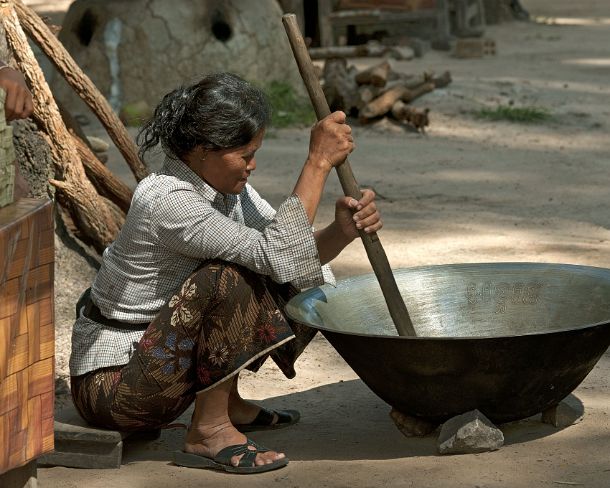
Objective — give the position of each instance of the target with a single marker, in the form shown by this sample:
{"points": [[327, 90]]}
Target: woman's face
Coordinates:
{"points": [[226, 170]]}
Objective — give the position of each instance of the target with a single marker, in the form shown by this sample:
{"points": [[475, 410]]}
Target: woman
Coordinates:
{"points": [[193, 288]]}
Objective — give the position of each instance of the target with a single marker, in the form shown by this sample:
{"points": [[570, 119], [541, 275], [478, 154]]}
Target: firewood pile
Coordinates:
{"points": [[92, 200], [379, 92]]}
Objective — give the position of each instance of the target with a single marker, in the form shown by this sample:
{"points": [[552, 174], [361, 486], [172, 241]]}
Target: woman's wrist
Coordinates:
{"points": [[320, 165], [338, 231]]}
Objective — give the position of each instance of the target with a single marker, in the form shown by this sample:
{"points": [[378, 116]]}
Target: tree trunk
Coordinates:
{"points": [[84, 87], [104, 180], [91, 214]]}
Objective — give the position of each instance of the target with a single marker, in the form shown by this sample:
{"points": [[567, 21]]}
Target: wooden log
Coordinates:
{"points": [[107, 184], [83, 86], [371, 48], [417, 117], [91, 213], [410, 81], [340, 87], [417, 92], [367, 93], [383, 103], [441, 81], [375, 75]]}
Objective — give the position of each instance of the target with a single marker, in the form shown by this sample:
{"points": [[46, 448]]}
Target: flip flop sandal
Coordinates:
{"points": [[222, 460], [264, 420]]}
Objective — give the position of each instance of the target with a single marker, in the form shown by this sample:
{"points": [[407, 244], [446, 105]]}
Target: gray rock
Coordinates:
{"points": [[562, 415], [469, 433]]}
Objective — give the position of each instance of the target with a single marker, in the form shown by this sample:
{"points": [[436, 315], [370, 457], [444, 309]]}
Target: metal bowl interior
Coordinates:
{"points": [[464, 300], [510, 339]]}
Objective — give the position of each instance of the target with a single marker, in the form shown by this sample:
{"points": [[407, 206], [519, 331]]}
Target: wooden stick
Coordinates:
{"points": [[82, 84], [90, 212], [372, 244], [383, 103], [375, 75], [104, 180]]}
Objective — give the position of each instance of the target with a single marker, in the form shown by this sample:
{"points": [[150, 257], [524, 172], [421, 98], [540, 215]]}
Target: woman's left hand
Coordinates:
{"points": [[352, 215]]}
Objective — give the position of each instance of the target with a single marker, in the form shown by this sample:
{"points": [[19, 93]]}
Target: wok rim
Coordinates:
{"points": [[515, 264]]}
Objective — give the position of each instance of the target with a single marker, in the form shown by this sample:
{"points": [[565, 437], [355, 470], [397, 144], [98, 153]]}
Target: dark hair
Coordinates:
{"points": [[221, 111]]}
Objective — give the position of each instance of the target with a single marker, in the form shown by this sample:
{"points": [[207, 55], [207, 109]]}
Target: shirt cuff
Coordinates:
{"points": [[307, 270]]}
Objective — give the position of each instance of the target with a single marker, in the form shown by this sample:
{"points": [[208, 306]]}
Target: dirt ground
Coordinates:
{"points": [[469, 191]]}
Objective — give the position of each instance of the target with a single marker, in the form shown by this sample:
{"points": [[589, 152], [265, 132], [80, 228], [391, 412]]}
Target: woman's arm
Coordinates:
{"points": [[329, 145], [350, 217]]}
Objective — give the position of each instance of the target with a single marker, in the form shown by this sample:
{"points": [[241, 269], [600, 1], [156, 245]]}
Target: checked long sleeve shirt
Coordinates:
{"points": [[175, 222]]}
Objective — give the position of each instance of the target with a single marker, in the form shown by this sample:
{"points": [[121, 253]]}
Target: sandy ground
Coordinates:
{"points": [[468, 191]]}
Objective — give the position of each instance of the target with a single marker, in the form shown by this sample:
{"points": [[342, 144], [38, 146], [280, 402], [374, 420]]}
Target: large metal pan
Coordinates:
{"points": [[511, 339]]}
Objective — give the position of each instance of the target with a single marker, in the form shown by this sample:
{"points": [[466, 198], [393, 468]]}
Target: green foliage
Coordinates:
{"points": [[289, 109], [525, 115]]}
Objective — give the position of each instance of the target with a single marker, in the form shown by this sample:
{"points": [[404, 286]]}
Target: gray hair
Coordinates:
{"points": [[221, 111]]}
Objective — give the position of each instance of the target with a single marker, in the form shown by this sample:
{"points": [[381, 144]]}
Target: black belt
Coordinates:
{"points": [[93, 313]]}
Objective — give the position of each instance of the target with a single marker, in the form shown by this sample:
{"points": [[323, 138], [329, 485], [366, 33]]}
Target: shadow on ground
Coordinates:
{"points": [[340, 421]]}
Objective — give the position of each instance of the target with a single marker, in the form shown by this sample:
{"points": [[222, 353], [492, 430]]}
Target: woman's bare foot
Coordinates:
{"points": [[243, 412], [210, 438]]}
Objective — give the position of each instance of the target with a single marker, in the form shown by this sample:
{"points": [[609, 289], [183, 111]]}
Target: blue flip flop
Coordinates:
{"points": [[222, 460]]}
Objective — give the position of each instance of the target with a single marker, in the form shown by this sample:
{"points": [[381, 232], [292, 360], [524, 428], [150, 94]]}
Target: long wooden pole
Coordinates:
{"points": [[372, 244]]}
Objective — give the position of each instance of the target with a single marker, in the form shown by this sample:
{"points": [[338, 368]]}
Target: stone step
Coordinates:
{"points": [[79, 445]]}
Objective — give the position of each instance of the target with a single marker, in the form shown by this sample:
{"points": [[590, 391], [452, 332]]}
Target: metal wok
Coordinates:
{"points": [[511, 339]]}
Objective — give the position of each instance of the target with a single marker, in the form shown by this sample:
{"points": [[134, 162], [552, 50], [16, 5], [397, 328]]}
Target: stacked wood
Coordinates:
{"points": [[370, 49], [93, 201], [378, 92], [340, 87]]}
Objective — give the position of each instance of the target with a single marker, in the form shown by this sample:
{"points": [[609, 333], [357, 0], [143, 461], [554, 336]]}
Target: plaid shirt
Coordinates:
{"points": [[175, 222]]}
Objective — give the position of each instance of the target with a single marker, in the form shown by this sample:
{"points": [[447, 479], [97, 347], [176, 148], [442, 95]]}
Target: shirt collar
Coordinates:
{"points": [[175, 167]]}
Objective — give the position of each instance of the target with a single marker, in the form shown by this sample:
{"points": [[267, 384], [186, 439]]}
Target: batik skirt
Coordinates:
{"points": [[223, 319]]}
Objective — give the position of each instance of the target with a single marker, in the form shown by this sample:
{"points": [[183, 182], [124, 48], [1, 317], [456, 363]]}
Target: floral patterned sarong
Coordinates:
{"points": [[223, 319]]}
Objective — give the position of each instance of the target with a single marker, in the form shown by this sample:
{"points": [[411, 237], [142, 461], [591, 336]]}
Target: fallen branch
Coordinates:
{"points": [[375, 75], [106, 183], [441, 81], [382, 104], [91, 213], [417, 117], [82, 84]]}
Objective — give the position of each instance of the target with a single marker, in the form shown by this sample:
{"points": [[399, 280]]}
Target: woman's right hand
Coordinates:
{"points": [[331, 141]]}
